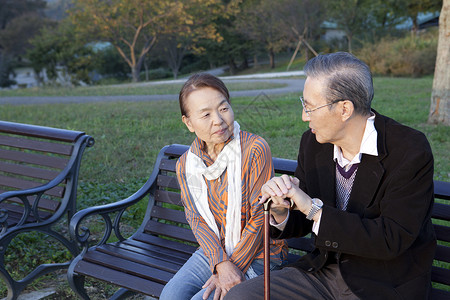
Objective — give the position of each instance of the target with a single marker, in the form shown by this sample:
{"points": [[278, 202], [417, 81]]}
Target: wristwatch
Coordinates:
{"points": [[316, 205]]}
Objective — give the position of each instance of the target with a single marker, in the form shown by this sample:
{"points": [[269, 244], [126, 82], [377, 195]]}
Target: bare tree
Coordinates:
{"points": [[440, 95]]}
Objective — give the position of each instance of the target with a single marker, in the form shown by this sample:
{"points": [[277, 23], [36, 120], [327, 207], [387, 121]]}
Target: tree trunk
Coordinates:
{"points": [[349, 42], [232, 66], [146, 70], [272, 59], [135, 73], [440, 95]]}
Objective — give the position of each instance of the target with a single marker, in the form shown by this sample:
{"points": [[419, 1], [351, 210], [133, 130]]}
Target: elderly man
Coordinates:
{"points": [[363, 186]]}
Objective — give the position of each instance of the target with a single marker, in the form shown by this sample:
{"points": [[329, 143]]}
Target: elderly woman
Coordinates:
{"points": [[220, 176]]}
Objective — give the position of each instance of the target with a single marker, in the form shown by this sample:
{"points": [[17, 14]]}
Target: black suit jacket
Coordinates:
{"points": [[384, 242]]}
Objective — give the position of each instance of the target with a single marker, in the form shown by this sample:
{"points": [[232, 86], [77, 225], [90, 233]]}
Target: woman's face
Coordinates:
{"points": [[209, 116]]}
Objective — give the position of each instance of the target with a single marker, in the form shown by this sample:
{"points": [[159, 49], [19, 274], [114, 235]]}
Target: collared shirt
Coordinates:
{"points": [[257, 169], [368, 146]]}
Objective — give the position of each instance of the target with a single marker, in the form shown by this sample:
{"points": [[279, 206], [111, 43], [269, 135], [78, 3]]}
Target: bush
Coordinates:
{"points": [[408, 56], [153, 74]]}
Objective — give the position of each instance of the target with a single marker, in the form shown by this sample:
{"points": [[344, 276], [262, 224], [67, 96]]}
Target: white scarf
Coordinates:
{"points": [[229, 159]]}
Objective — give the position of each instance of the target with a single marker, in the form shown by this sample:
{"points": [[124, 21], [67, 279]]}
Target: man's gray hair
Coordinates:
{"points": [[346, 77]]}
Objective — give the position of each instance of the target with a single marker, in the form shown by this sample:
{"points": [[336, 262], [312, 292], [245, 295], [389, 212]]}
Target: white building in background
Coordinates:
{"points": [[24, 77], [332, 32]]}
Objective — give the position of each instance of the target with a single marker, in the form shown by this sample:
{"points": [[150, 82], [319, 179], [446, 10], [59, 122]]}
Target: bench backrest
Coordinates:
{"points": [[168, 209], [32, 156]]}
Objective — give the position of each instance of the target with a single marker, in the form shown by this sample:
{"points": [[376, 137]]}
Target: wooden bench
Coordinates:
{"points": [[38, 187], [144, 262]]}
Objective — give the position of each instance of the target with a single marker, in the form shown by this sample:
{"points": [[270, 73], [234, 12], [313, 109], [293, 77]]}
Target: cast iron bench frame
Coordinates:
{"points": [[145, 261], [39, 169]]}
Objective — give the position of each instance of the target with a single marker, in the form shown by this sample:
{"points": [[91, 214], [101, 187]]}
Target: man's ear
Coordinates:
{"points": [[188, 123], [347, 109]]}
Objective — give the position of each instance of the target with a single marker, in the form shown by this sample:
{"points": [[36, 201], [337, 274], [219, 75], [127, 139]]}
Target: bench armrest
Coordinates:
{"points": [[111, 214], [23, 195]]}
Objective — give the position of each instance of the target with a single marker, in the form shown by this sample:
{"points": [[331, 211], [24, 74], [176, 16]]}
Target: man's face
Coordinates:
{"points": [[324, 122]]}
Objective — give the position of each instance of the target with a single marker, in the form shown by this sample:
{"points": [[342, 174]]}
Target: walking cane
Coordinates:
{"points": [[266, 206]]}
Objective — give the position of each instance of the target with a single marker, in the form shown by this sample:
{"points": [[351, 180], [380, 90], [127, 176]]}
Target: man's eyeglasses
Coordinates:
{"points": [[309, 111]]}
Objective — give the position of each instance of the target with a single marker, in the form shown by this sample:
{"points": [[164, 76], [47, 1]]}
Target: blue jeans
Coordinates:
{"points": [[188, 281]]}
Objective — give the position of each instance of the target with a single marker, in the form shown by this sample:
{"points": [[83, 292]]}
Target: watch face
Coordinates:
{"points": [[317, 202]]}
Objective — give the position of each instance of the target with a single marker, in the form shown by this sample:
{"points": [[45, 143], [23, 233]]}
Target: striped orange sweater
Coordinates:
{"points": [[257, 169]]}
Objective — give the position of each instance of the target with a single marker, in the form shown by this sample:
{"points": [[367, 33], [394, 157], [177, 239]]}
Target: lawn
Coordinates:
{"points": [[129, 135]]}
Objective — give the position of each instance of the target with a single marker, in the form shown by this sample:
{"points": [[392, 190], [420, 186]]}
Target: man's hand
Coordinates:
{"points": [[280, 188], [228, 275]]}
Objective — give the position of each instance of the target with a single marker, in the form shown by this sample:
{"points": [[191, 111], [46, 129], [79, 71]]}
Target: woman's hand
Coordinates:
{"points": [[210, 286], [228, 275]]}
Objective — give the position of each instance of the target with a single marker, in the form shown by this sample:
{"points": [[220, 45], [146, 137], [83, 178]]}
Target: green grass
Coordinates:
{"points": [[129, 136], [142, 88]]}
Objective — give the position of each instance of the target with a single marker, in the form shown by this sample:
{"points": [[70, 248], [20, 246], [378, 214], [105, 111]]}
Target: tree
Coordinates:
{"points": [[19, 21], [198, 24], [262, 21], [412, 8], [131, 26], [351, 15], [12, 9], [440, 95], [58, 52], [15, 37]]}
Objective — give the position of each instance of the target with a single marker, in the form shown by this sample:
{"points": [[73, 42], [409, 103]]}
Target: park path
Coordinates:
{"points": [[292, 86]]}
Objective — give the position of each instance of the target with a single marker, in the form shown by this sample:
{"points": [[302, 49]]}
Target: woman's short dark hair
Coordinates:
{"points": [[346, 77], [199, 81]]}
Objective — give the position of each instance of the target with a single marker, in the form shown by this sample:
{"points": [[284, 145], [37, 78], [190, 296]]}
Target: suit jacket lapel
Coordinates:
{"points": [[370, 172], [324, 159], [367, 180]]}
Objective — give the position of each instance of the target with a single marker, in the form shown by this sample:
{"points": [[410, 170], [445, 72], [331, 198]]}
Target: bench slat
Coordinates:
{"points": [[439, 294], [168, 165], [302, 243], [35, 145], [22, 184], [44, 204], [442, 232], [32, 158], [23, 170], [440, 275], [442, 189], [168, 182], [154, 240], [138, 257], [150, 251], [169, 214], [168, 197], [45, 209], [170, 231], [181, 255], [441, 211], [119, 278], [442, 253], [129, 266], [15, 213]]}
